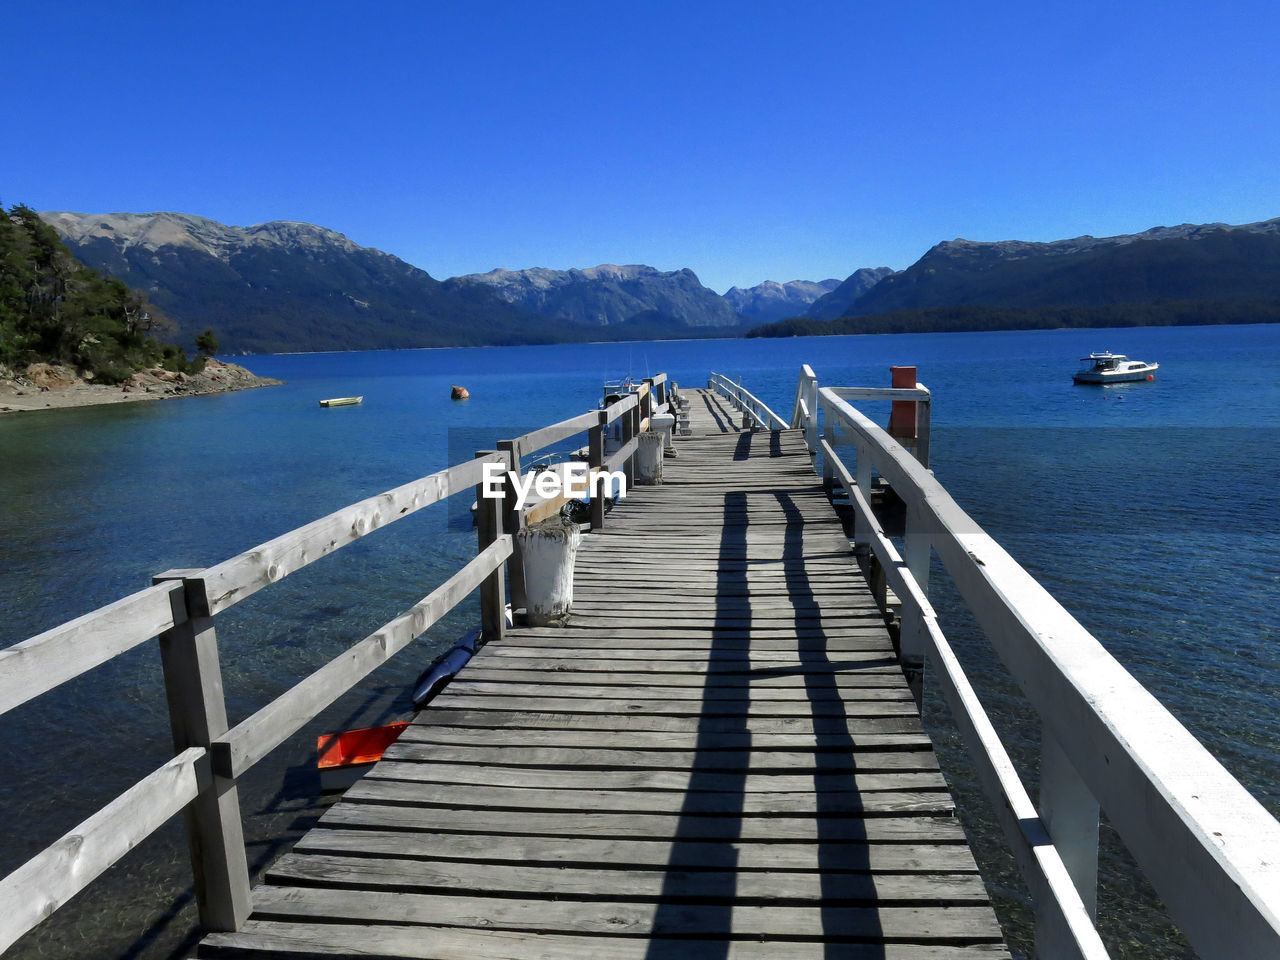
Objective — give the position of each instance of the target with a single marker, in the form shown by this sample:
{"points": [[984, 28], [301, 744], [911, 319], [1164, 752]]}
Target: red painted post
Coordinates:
{"points": [[902, 419]]}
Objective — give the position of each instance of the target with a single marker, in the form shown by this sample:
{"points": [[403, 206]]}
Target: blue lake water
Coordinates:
{"points": [[1148, 509]]}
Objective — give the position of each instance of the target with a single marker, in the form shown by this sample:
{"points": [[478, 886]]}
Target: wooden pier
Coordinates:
{"points": [[718, 756]]}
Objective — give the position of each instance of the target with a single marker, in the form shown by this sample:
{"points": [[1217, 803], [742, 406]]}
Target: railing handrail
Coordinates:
{"points": [[1040, 861], [804, 383], [543, 437], [1210, 849], [36, 666], [199, 775], [748, 402]]}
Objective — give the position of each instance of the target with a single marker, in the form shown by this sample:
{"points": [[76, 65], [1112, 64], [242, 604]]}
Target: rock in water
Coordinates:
{"points": [[460, 393]]}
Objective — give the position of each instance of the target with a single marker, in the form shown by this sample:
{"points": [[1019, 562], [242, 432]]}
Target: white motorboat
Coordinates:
{"points": [[1110, 367]]}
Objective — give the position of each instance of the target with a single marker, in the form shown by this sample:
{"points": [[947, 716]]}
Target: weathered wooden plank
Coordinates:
{"points": [[660, 827], [594, 706], [727, 803], [630, 779], [519, 672], [754, 659], [671, 724], [587, 851], [842, 741], [621, 884], [467, 942], [847, 664], [725, 640], [630, 758], [731, 691]]}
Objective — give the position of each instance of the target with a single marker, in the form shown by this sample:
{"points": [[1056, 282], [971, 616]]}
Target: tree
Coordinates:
{"points": [[207, 343]]}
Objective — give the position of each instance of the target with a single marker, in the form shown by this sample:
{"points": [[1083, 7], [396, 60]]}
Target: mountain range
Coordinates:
{"points": [[1186, 262], [839, 300], [606, 295], [1187, 274], [282, 286], [774, 301], [285, 286]]}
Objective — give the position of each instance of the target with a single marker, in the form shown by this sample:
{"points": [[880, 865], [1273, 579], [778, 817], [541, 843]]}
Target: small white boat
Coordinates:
{"points": [[341, 401], [1110, 367]]}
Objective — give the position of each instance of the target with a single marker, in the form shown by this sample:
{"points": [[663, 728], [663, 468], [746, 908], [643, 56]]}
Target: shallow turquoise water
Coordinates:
{"points": [[1147, 509]]}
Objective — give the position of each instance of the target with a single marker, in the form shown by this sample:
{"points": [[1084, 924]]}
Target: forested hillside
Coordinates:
{"points": [[54, 309]]}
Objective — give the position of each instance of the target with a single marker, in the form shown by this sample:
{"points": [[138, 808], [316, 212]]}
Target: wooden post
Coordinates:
{"points": [[917, 545], [879, 584], [828, 469], [917, 552], [493, 599], [630, 427], [923, 413], [512, 522], [595, 457], [811, 425], [198, 715], [1070, 814], [647, 401], [860, 539], [902, 418]]}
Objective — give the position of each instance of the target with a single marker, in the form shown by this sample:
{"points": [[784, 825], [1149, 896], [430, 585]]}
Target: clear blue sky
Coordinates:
{"points": [[746, 141]]}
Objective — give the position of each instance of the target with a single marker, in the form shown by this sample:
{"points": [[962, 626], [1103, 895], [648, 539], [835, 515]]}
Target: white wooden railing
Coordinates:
{"points": [[1211, 851], [754, 411], [210, 755]]}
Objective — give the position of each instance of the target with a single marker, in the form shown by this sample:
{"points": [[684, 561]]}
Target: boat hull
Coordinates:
{"points": [[1144, 372]]}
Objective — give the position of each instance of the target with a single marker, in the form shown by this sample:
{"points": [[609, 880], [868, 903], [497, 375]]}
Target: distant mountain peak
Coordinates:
{"points": [[1187, 262], [607, 294], [1017, 249], [846, 293], [154, 231], [771, 300]]}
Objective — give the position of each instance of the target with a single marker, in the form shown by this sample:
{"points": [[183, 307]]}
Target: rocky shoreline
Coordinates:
{"points": [[43, 386]]}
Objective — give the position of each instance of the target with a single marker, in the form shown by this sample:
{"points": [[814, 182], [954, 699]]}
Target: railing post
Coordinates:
{"points": [[811, 427], [493, 599], [629, 431], [860, 539], [917, 553], [922, 426], [595, 459], [646, 402], [828, 468], [512, 522], [198, 716], [1070, 814]]}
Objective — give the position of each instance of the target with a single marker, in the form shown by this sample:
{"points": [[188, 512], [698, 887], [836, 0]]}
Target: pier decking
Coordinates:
{"points": [[717, 757]]}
